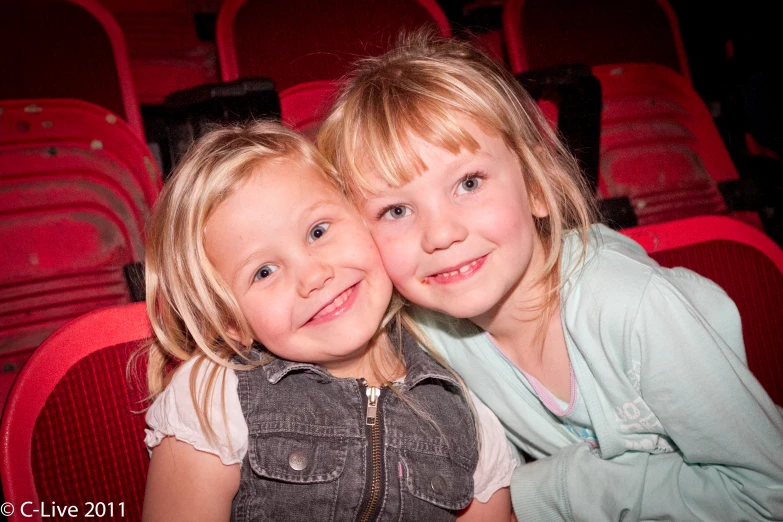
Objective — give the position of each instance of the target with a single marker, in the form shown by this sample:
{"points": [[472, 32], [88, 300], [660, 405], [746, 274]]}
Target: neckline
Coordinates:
{"points": [[549, 400]]}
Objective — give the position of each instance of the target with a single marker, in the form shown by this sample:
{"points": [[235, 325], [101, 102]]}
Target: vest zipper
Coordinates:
{"points": [[375, 472]]}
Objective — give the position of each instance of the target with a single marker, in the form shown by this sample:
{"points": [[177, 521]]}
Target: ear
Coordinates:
{"points": [[237, 336], [537, 206]]}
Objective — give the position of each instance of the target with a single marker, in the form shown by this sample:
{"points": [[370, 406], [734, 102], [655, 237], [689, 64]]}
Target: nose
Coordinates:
{"points": [[442, 230], [313, 275]]}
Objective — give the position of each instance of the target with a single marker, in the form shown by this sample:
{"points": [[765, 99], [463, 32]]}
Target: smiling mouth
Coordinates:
{"points": [[336, 308], [458, 274]]}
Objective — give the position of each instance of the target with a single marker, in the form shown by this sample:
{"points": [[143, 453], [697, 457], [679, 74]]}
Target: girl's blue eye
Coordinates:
{"points": [[317, 232], [395, 212], [469, 184], [264, 272]]}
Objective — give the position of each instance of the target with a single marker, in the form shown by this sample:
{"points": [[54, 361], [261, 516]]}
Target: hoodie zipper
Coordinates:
{"points": [[375, 472]]}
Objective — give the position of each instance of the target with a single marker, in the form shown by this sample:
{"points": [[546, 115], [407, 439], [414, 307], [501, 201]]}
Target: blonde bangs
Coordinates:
{"points": [[382, 144]]}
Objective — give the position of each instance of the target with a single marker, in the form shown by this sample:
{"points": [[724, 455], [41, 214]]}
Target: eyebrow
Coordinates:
{"points": [[317, 205]]}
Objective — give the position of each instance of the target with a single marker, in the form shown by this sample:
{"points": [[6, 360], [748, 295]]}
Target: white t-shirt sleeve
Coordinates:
{"points": [[497, 457], [173, 414]]}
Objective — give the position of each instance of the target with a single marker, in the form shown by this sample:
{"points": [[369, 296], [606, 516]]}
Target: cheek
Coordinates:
{"points": [[268, 323], [504, 217], [362, 250], [397, 253]]}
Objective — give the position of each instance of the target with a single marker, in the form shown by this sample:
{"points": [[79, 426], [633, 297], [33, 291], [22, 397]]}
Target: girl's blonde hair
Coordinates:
{"points": [[191, 308], [419, 90]]}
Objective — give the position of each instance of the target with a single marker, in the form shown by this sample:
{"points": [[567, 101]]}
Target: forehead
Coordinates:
{"points": [[286, 179], [270, 198]]}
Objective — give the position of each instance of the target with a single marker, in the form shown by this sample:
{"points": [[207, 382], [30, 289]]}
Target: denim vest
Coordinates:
{"points": [[328, 449]]}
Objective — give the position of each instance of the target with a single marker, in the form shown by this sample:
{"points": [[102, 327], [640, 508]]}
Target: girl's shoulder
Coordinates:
{"points": [[616, 273], [175, 412], [617, 287], [607, 262]]}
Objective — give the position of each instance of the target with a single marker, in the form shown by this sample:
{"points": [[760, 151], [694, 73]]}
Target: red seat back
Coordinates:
{"points": [[303, 107], [300, 41], [544, 33], [660, 146], [71, 433], [747, 264], [165, 52], [78, 124], [66, 49], [69, 222]]}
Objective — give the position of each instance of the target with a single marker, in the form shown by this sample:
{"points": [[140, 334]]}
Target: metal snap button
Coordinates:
{"points": [[297, 460], [438, 484]]}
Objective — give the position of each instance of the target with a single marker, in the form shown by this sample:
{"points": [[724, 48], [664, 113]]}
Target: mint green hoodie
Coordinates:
{"points": [[680, 429]]}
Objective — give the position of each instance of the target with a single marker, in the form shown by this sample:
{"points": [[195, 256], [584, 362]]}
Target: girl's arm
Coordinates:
{"points": [[185, 484], [496, 463], [497, 508]]}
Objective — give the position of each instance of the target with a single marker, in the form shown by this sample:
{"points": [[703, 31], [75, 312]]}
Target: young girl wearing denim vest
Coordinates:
{"points": [[301, 394], [625, 380]]}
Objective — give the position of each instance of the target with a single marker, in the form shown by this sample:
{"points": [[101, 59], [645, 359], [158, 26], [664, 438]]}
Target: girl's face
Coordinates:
{"points": [[460, 238], [302, 266]]}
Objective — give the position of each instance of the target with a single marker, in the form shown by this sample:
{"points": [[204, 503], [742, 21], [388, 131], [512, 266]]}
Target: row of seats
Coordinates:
{"points": [[77, 49], [72, 428], [78, 184], [659, 145]]}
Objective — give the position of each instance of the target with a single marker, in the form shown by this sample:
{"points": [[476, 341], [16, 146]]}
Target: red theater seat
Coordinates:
{"points": [[78, 124], [659, 144], [72, 431], [69, 222], [544, 33], [165, 52], [299, 41], [747, 264], [66, 49]]}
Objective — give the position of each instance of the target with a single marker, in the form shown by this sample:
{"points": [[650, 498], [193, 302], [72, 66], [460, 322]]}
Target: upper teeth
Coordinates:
{"points": [[460, 270], [340, 299]]}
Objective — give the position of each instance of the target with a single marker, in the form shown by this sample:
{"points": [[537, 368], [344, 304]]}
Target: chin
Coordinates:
{"points": [[357, 336], [467, 310]]}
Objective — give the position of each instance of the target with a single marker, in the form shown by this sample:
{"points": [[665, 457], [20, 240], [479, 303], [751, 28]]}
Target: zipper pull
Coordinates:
{"points": [[372, 404]]}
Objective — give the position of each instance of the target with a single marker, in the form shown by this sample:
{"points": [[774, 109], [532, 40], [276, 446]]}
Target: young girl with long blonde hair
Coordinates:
{"points": [[625, 380], [299, 393]]}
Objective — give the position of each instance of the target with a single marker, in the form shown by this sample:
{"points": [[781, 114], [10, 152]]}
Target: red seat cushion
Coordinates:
{"points": [[88, 441]]}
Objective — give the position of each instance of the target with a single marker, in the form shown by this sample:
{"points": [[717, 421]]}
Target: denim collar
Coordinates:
{"points": [[419, 365]]}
